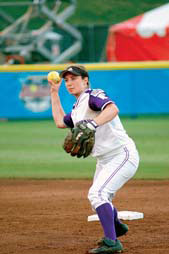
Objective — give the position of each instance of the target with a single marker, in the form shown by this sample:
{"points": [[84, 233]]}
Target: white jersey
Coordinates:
{"points": [[110, 137]]}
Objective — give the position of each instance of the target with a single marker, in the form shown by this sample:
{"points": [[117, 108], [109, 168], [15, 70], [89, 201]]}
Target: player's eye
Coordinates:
{"points": [[74, 78]]}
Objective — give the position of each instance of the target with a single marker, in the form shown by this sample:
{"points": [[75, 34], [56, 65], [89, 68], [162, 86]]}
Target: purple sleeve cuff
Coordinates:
{"points": [[99, 102], [68, 120]]}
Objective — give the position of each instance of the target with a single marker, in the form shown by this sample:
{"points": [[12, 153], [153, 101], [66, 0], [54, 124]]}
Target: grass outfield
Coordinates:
{"points": [[33, 149]]}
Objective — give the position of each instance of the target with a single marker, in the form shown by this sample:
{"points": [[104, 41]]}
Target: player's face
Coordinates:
{"points": [[75, 84]]}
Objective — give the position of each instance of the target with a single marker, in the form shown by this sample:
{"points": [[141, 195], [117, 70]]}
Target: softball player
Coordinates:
{"points": [[116, 153]]}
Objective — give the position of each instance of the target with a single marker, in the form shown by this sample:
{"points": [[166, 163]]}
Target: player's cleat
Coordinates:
{"points": [[121, 229], [108, 246]]}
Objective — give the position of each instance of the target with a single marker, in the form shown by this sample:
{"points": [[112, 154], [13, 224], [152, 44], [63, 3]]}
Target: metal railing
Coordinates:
{"points": [[17, 38]]}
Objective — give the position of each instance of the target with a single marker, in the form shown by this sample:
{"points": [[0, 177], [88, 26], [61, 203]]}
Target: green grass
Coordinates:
{"points": [[152, 139], [33, 149]]}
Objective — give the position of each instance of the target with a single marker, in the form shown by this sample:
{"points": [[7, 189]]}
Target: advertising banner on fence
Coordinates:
{"points": [[26, 94]]}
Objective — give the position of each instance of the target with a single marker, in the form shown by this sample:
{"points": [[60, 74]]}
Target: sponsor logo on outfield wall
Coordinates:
{"points": [[35, 93]]}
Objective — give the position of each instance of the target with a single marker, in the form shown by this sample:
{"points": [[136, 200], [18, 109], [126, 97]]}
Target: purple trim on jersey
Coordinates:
{"points": [[88, 90], [68, 120], [97, 104], [115, 172], [109, 102]]}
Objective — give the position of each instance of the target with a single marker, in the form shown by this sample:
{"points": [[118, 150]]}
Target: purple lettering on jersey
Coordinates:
{"points": [[99, 102], [68, 120]]}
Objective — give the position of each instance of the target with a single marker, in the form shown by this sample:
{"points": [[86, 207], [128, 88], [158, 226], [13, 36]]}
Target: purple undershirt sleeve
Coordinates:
{"points": [[68, 121]]}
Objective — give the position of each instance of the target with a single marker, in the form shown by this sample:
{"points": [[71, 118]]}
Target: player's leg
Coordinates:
{"points": [[121, 228], [111, 178], [105, 211]]}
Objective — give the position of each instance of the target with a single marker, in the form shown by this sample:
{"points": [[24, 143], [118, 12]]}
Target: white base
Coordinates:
{"points": [[123, 215]]}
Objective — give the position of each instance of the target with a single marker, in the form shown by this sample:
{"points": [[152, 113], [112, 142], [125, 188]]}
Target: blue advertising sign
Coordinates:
{"points": [[26, 94]]}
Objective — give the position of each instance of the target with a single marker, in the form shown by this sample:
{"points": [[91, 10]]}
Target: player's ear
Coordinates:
{"points": [[86, 81]]}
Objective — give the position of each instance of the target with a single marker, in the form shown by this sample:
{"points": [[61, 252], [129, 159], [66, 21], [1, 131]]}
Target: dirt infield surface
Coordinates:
{"points": [[50, 217]]}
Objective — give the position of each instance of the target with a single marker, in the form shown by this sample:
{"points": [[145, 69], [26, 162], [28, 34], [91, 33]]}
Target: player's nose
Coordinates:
{"points": [[69, 83]]}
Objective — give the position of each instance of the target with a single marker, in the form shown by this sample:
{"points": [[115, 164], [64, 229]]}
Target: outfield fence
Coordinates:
{"points": [[136, 87]]}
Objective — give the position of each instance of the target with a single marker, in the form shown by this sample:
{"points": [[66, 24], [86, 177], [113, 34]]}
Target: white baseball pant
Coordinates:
{"points": [[111, 174]]}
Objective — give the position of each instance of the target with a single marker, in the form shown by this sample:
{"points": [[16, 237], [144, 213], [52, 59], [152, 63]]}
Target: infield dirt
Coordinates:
{"points": [[50, 217]]}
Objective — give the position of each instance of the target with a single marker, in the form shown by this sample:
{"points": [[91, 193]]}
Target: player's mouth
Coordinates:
{"points": [[70, 88]]}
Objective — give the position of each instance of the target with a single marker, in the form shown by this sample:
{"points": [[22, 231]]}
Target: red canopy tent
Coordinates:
{"points": [[145, 37]]}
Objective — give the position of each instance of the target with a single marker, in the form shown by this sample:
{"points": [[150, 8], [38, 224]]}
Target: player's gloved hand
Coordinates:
{"points": [[80, 141], [89, 123]]}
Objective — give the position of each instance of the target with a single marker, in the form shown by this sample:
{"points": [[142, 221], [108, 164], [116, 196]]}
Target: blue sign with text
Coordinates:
{"points": [[27, 94]]}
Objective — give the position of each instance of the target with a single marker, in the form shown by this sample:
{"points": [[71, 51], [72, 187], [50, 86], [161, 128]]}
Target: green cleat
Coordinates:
{"points": [[121, 229], [108, 246]]}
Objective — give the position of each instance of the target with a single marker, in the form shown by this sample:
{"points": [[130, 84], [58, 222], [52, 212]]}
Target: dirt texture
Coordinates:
{"points": [[50, 217]]}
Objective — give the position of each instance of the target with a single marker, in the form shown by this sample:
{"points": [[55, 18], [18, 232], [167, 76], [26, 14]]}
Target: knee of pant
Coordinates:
{"points": [[97, 198]]}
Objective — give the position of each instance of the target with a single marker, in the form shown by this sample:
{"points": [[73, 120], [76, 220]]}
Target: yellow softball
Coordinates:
{"points": [[54, 76]]}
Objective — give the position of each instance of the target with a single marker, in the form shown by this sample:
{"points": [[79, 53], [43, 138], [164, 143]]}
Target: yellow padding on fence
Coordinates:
{"points": [[92, 66]]}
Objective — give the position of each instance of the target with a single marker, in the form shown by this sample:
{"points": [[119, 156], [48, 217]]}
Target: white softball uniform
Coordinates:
{"points": [[116, 153]]}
